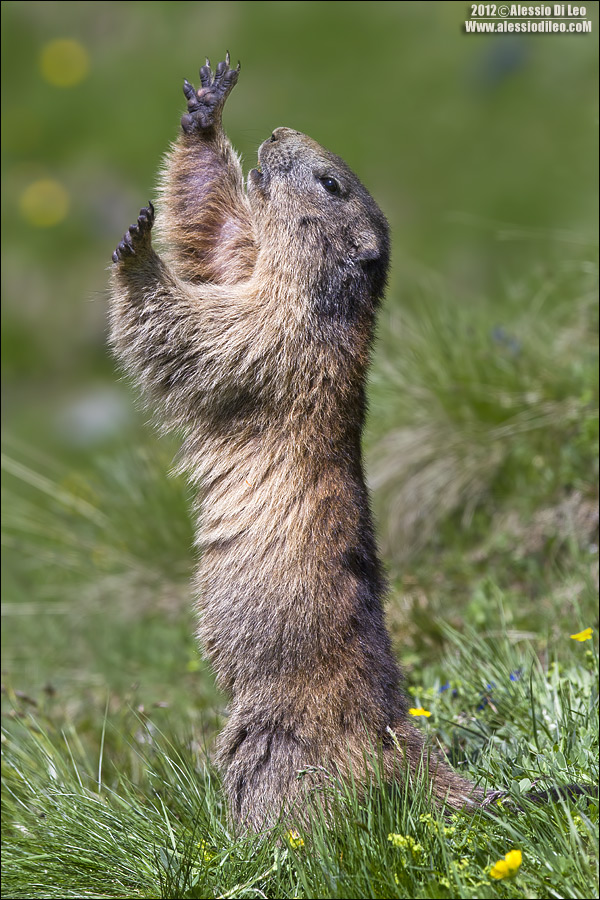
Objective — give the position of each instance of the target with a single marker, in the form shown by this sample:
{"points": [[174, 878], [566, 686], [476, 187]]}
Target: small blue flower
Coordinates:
{"points": [[500, 336], [485, 699], [446, 687], [516, 675]]}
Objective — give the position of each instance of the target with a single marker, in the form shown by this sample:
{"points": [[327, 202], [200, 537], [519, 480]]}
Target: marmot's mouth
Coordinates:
{"points": [[258, 176]]}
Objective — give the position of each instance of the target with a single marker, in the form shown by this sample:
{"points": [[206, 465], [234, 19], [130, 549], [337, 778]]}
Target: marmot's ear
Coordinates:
{"points": [[367, 254], [366, 248]]}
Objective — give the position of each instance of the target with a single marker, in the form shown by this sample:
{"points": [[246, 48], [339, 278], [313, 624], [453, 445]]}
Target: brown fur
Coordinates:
{"points": [[254, 338]]}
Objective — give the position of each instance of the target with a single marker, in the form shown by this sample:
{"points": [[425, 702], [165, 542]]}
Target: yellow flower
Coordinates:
{"points": [[64, 62], [507, 867], [406, 843], [584, 635], [204, 851], [44, 203], [419, 711], [408, 847], [294, 839]]}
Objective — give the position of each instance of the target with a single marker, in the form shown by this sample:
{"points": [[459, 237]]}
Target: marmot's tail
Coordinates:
{"points": [[412, 758], [451, 789], [550, 795]]}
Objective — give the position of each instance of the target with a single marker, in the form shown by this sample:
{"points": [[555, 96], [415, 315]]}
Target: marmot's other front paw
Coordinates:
{"points": [[206, 104], [137, 237]]}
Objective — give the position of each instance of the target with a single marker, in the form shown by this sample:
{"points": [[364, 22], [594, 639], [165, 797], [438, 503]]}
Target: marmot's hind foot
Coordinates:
{"points": [[206, 104], [137, 237]]}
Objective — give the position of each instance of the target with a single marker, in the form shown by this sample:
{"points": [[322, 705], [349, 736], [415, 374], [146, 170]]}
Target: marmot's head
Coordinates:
{"points": [[314, 209]]}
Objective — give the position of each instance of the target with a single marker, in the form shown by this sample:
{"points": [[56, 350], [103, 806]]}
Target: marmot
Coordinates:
{"points": [[254, 337]]}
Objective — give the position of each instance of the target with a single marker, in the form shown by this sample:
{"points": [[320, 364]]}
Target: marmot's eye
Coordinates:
{"points": [[330, 184]]}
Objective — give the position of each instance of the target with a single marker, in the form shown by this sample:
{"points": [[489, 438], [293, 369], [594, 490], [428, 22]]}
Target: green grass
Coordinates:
{"points": [[134, 808], [475, 405]]}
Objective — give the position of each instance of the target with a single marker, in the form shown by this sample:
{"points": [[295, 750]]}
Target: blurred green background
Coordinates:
{"points": [[482, 151]]}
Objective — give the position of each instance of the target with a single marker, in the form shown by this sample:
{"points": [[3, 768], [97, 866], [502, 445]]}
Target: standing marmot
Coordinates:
{"points": [[254, 337]]}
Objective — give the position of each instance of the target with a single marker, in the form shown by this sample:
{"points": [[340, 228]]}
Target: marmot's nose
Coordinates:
{"points": [[281, 133]]}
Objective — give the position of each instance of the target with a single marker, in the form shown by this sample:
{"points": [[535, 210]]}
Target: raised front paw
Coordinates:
{"points": [[205, 105], [137, 237]]}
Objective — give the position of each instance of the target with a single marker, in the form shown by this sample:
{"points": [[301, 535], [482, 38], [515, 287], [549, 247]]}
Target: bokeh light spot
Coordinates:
{"points": [[44, 203], [64, 62]]}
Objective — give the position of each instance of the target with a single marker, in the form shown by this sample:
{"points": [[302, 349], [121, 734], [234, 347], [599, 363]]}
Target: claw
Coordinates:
{"points": [[189, 90], [206, 75], [136, 235], [146, 218]]}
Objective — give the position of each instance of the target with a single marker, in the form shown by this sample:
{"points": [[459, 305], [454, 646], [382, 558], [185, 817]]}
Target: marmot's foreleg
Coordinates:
{"points": [[207, 221], [174, 337], [154, 325]]}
